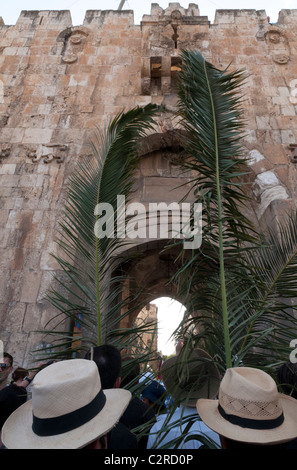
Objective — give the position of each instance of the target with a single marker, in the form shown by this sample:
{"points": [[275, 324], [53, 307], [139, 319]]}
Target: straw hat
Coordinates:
{"points": [[191, 375], [250, 409], [68, 409]]}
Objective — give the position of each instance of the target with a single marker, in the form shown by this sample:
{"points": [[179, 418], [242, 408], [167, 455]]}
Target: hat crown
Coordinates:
{"points": [[58, 390], [249, 393], [190, 375]]}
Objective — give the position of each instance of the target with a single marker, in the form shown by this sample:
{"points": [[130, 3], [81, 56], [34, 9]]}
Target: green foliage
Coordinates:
{"points": [[91, 284], [239, 287]]}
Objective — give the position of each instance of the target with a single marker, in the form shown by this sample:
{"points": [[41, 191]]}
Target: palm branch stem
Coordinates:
{"points": [[220, 227]]}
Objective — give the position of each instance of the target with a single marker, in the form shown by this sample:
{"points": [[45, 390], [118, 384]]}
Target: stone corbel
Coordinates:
{"points": [[57, 153], [33, 154], [4, 152], [293, 148], [53, 152]]}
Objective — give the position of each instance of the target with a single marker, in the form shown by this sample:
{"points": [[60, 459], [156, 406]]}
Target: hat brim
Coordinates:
{"points": [[208, 412], [17, 431]]}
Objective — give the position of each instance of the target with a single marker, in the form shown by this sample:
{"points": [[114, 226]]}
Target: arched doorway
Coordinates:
{"points": [[163, 316]]}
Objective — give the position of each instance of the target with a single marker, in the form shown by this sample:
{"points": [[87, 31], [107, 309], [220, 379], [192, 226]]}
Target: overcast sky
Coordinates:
{"points": [[10, 10]]}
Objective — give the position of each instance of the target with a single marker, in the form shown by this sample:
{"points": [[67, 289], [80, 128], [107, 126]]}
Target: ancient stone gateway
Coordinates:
{"points": [[58, 81]]}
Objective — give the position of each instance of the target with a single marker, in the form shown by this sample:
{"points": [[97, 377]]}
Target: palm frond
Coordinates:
{"points": [[209, 106], [91, 282]]}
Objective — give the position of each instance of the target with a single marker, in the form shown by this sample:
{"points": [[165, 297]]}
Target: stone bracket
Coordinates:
{"points": [[54, 152], [293, 148], [4, 152]]}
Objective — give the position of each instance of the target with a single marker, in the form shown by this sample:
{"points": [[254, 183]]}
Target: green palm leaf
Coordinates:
{"points": [[209, 106], [91, 282]]}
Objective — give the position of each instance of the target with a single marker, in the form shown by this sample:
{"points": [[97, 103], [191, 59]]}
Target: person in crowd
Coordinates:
{"points": [[6, 368], [154, 396], [187, 377], [69, 409], [287, 378], [109, 362], [138, 416], [18, 375], [250, 412], [13, 394]]}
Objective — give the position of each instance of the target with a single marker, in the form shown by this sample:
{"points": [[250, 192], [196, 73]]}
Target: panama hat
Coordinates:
{"points": [[68, 409], [191, 375], [250, 409]]}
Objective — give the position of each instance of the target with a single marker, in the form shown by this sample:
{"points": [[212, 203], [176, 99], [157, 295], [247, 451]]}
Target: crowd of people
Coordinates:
{"points": [[87, 403]]}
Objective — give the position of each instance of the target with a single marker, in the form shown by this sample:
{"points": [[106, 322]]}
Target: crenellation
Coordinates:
{"points": [[44, 19], [102, 18], [287, 17]]}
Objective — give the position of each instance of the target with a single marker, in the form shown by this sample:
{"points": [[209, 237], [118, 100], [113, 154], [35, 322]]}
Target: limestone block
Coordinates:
{"points": [[288, 110], [288, 136], [9, 181], [31, 284], [38, 136], [14, 317], [46, 280], [7, 169], [47, 261], [263, 122], [32, 319]]}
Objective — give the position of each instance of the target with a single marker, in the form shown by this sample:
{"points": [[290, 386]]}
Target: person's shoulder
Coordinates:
{"points": [[120, 437]]}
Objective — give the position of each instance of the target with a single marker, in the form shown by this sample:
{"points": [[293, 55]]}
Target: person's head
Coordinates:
{"points": [[130, 371], [250, 411], [109, 362], [287, 378], [19, 374], [69, 409], [190, 375], [6, 367], [153, 395]]}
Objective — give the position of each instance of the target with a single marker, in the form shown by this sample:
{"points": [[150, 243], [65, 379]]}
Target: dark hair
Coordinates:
{"points": [[11, 397], [19, 373], [9, 357], [108, 360], [287, 378], [130, 371]]}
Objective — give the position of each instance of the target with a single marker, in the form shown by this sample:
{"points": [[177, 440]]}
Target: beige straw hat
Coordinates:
{"points": [[250, 409], [191, 375], [68, 409]]}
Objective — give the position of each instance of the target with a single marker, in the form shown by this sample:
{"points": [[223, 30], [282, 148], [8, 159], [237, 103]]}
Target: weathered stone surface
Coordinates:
{"points": [[58, 82]]}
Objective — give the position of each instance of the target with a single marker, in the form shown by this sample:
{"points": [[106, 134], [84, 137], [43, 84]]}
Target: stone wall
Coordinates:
{"points": [[59, 81]]}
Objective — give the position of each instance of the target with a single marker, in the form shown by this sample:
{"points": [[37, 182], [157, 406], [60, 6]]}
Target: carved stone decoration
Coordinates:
{"points": [[48, 154], [70, 59], [57, 152], [293, 148], [278, 46], [4, 152], [33, 155], [74, 42]]}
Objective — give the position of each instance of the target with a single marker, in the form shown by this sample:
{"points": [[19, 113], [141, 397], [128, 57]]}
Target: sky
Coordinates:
{"points": [[170, 314], [10, 10]]}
